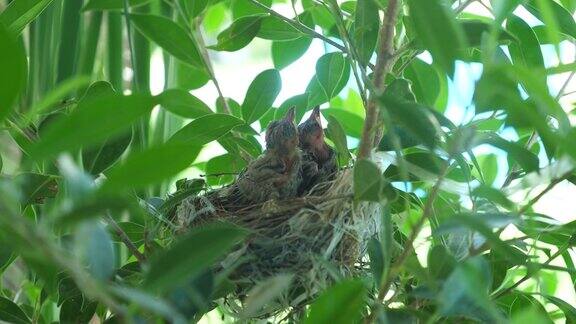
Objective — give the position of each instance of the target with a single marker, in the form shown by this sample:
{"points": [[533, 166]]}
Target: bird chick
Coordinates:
{"points": [[315, 150], [276, 174]]}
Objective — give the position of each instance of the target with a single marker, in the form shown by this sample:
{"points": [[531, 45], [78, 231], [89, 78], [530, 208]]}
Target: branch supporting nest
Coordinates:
{"points": [[384, 63]]}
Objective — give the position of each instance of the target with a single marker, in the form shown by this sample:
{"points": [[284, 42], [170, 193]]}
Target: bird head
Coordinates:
{"points": [[282, 135], [311, 132]]}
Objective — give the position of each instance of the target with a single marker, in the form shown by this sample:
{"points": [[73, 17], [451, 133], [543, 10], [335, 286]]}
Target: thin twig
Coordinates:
{"points": [[530, 273], [126, 240], [301, 27]]}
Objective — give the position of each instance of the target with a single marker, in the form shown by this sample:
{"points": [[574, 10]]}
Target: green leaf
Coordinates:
{"points": [[221, 169], [465, 292], [425, 80], [526, 159], [261, 95], [366, 26], [300, 102], [377, 258], [367, 181], [415, 118], [285, 53], [13, 65], [351, 122], [340, 304], [35, 187], [11, 313], [77, 310], [274, 28], [557, 14], [475, 29], [152, 166], [440, 262], [205, 129], [264, 293], [239, 34], [22, 12], [338, 136], [503, 8], [170, 37], [332, 70], [92, 122], [99, 159], [526, 50], [194, 7], [242, 8], [96, 250], [181, 262], [112, 4], [182, 103], [431, 16], [189, 77]]}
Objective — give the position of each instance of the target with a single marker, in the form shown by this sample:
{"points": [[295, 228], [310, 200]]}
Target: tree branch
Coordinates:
{"points": [[126, 240], [383, 66]]}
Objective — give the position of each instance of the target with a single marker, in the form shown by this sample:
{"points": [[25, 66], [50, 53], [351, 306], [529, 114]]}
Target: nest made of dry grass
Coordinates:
{"points": [[317, 237]]}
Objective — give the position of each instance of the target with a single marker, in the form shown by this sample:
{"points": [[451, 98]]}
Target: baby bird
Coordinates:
{"points": [[276, 174], [315, 150]]}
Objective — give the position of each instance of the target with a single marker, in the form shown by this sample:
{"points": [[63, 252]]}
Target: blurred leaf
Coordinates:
{"points": [[367, 181], [568, 310], [190, 77], [338, 136], [20, 13], [351, 122], [526, 50], [112, 4], [98, 160], [493, 195], [149, 302], [503, 8], [527, 160], [13, 65], [366, 26], [135, 232], [516, 303], [440, 262], [332, 73], [170, 37], [221, 169], [11, 313], [483, 224], [558, 15], [205, 129], [242, 8], [425, 80], [92, 122], [531, 316], [239, 34], [465, 292], [340, 304], [182, 103], [35, 187], [151, 166], [431, 16], [274, 28], [264, 293], [180, 262], [77, 310], [415, 118], [377, 258], [194, 7], [474, 29], [64, 88], [261, 95]]}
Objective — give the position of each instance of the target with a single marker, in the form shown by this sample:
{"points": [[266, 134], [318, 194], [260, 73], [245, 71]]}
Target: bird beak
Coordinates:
{"points": [[316, 115], [290, 115]]}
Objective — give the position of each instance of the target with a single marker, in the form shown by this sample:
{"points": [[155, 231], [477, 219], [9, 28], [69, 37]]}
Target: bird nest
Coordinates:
{"points": [[318, 238]]}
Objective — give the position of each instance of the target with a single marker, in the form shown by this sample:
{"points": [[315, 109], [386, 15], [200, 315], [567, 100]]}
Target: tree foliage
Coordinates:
{"points": [[90, 158]]}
